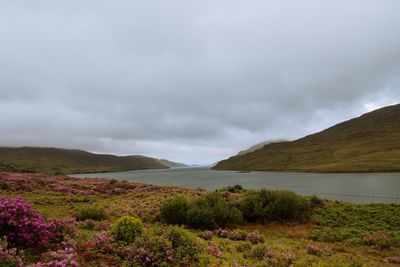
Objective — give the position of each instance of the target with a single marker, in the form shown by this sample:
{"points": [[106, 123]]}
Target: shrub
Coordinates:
{"points": [[152, 250], [167, 246], [207, 235], [378, 239], [95, 213], [25, 227], [221, 233], [9, 257], [235, 189], [259, 252], [255, 237], [238, 235], [66, 257], [174, 211], [212, 211], [215, 251], [126, 229], [102, 242], [186, 245], [317, 250], [267, 206], [316, 202], [243, 246], [4, 185]]}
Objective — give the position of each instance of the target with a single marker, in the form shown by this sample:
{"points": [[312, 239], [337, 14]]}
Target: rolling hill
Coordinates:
{"points": [[67, 161], [369, 143]]}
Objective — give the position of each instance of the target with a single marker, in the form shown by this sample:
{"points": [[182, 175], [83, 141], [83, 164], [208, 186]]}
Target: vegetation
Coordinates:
{"points": [[127, 229], [374, 224], [268, 206], [66, 161], [174, 211], [365, 144], [209, 211], [91, 212], [337, 234]]}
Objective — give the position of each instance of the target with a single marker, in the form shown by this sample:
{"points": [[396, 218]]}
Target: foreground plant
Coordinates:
{"points": [[24, 226]]}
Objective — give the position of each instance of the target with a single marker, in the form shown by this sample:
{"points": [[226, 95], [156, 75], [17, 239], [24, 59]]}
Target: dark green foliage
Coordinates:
{"points": [[113, 181], [377, 225], [174, 211], [212, 211], [96, 213], [316, 202], [126, 229], [209, 211], [4, 185], [235, 189], [267, 206]]}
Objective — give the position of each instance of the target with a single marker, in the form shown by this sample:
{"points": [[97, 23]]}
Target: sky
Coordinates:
{"points": [[191, 81]]}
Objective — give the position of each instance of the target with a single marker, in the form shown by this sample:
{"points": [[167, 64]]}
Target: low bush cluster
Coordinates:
{"points": [[376, 225], [268, 206], [166, 246], [96, 213], [212, 210], [317, 250], [127, 229], [209, 211]]}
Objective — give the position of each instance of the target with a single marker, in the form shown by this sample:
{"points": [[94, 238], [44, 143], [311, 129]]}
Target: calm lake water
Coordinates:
{"points": [[352, 187]]}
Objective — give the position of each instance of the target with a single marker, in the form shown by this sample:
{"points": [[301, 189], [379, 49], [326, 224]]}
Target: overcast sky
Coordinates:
{"points": [[190, 81]]}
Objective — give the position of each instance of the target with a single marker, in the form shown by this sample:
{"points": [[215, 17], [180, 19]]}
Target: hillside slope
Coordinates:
{"points": [[369, 143], [260, 145], [66, 161]]}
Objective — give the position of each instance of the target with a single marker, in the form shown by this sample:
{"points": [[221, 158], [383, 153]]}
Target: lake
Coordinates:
{"points": [[352, 187]]}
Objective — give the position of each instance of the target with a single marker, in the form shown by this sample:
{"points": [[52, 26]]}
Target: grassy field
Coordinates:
{"points": [[337, 234], [370, 143], [66, 161]]}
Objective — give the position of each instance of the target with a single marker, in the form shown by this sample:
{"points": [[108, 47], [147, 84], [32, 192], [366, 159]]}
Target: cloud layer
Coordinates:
{"points": [[191, 81]]}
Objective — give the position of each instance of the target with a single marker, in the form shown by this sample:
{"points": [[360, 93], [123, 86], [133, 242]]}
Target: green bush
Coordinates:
{"points": [[267, 206], [174, 211], [167, 246], [4, 185], [316, 202], [126, 229], [95, 213], [212, 211]]}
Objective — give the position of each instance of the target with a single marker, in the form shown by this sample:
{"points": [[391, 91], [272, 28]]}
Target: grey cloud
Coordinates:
{"points": [[191, 81]]}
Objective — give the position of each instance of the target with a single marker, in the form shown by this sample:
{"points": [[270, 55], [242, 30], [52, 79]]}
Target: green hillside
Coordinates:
{"points": [[369, 143], [66, 161]]}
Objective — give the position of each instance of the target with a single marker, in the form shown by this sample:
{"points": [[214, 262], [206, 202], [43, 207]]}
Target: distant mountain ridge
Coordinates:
{"points": [[171, 164], [67, 161], [369, 143]]}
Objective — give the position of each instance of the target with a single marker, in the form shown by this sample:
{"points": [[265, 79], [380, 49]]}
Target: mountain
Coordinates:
{"points": [[261, 145], [171, 164], [67, 161], [369, 143]]}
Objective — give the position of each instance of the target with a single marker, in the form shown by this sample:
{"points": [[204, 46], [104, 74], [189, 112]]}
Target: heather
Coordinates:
{"points": [[101, 222]]}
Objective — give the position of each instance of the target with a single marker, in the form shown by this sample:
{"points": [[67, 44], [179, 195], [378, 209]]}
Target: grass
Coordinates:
{"points": [[64, 196], [369, 143], [66, 161]]}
